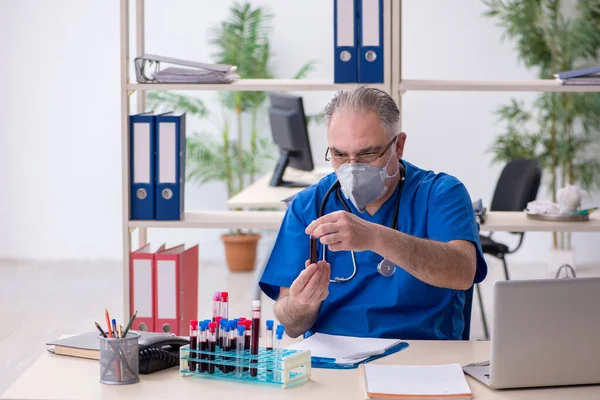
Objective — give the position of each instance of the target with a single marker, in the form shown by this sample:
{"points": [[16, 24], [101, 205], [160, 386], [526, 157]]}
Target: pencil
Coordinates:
{"points": [[121, 331], [129, 323], [110, 334], [100, 329]]}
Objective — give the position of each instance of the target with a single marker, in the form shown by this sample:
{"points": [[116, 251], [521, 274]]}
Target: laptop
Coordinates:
{"points": [[546, 333]]}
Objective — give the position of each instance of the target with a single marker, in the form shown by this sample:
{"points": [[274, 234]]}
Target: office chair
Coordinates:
{"points": [[518, 185]]}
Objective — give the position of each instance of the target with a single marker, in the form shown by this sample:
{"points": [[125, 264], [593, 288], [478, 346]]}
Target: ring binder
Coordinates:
{"points": [[196, 72]]}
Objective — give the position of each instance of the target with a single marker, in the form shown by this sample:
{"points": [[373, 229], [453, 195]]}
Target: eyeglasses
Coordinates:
{"points": [[366, 158]]}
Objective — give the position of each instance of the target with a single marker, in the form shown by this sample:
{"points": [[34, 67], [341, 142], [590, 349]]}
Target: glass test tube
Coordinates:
{"points": [[270, 345], [226, 347], [277, 356], [247, 337], [202, 345], [255, 333], [224, 312], [216, 306], [193, 344], [240, 351], [212, 346]]}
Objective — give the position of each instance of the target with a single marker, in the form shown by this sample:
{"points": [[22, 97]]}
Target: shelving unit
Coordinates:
{"points": [[393, 84], [540, 85], [252, 85], [206, 219]]}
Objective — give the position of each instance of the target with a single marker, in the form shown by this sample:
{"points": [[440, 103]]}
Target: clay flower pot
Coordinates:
{"points": [[240, 251]]}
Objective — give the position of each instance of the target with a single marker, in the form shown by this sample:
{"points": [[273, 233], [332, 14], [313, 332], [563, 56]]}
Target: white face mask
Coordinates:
{"points": [[363, 183]]}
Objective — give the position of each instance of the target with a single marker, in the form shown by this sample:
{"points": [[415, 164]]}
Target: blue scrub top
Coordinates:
{"points": [[432, 206]]}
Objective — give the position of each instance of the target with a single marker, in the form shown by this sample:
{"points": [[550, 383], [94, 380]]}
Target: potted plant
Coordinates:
{"points": [[241, 40], [558, 129]]}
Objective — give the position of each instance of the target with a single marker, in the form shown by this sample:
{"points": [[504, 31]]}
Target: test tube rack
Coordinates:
{"points": [[283, 367]]}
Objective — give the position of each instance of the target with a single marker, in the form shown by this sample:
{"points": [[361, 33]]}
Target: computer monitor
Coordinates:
{"points": [[288, 128]]}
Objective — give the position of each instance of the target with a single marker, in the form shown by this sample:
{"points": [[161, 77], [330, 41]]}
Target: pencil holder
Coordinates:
{"points": [[120, 360], [282, 367]]}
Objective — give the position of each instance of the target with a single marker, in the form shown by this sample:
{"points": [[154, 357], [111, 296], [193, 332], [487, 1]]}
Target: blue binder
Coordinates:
{"points": [[141, 168], [344, 41], [170, 166], [370, 42]]}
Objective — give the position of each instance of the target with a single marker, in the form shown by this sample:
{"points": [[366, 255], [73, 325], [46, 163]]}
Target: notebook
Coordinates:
{"points": [[85, 345], [415, 382], [344, 349]]}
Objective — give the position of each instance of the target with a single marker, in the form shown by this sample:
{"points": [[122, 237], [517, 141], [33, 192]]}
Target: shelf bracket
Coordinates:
{"points": [[130, 92], [402, 92], [132, 229]]}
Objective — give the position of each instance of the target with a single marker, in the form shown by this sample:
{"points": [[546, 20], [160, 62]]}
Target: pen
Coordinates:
{"points": [[114, 327], [130, 323], [100, 329], [110, 334]]}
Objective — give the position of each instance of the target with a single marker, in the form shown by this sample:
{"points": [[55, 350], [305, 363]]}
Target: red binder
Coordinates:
{"points": [[141, 287], [176, 289]]}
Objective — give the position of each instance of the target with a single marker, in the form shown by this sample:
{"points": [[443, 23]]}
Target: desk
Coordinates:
{"points": [[54, 377], [262, 195]]}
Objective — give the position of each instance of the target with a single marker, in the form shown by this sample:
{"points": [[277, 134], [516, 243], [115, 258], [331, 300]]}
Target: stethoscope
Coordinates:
{"points": [[385, 267]]}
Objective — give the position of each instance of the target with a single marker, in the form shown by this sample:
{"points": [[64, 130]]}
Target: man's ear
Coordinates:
{"points": [[400, 144]]}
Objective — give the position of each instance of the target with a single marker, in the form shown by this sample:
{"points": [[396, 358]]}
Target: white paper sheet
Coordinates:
{"points": [[417, 380], [344, 349]]}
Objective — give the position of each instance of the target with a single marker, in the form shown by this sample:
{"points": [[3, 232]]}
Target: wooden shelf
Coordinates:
{"points": [[251, 85], [507, 221], [493, 86], [219, 219]]}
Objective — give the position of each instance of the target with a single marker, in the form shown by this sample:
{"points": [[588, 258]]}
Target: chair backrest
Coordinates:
{"points": [[518, 185], [467, 313]]}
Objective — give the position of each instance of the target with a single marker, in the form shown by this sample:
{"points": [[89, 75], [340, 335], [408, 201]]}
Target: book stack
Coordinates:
{"points": [[586, 76]]}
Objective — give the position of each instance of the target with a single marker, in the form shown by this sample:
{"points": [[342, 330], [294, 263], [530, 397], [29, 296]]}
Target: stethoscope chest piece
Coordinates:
{"points": [[386, 268]]}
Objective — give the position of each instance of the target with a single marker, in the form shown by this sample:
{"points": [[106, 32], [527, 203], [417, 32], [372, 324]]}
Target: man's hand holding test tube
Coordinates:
{"points": [[303, 298]]}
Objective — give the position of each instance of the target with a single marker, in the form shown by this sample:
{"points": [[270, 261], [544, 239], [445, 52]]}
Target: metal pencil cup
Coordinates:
{"points": [[120, 360]]}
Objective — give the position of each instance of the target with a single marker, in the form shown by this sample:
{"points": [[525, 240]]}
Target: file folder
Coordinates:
{"points": [[142, 154], [176, 284], [141, 287], [344, 41], [170, 166], [370, 67]]}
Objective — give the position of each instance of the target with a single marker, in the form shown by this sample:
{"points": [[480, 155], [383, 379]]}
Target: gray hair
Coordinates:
{"points": [[363, 99]]}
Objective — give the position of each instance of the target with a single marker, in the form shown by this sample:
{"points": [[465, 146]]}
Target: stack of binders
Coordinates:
{"points": [[358, 41], [157, 166], [163, 288]]}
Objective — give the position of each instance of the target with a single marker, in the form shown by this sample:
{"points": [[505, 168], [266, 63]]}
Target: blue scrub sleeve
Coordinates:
{"points": [[451, 217], [290, 252]]}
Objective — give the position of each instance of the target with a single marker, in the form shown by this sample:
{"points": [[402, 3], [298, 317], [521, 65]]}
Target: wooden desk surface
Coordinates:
{"points": [[59, 377], [261, 195]]}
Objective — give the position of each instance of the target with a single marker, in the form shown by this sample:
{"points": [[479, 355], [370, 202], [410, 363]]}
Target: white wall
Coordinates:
{"points": [[59, 110]]}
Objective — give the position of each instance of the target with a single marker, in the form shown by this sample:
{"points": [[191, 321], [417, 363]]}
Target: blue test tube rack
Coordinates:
{"points": [[285, 367]]}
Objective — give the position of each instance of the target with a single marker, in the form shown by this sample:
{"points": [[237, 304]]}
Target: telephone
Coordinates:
{"points": [[159, 351]]}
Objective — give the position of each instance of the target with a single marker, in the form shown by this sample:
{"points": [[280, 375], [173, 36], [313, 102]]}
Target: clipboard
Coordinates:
{"points": [[329, 363]]}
